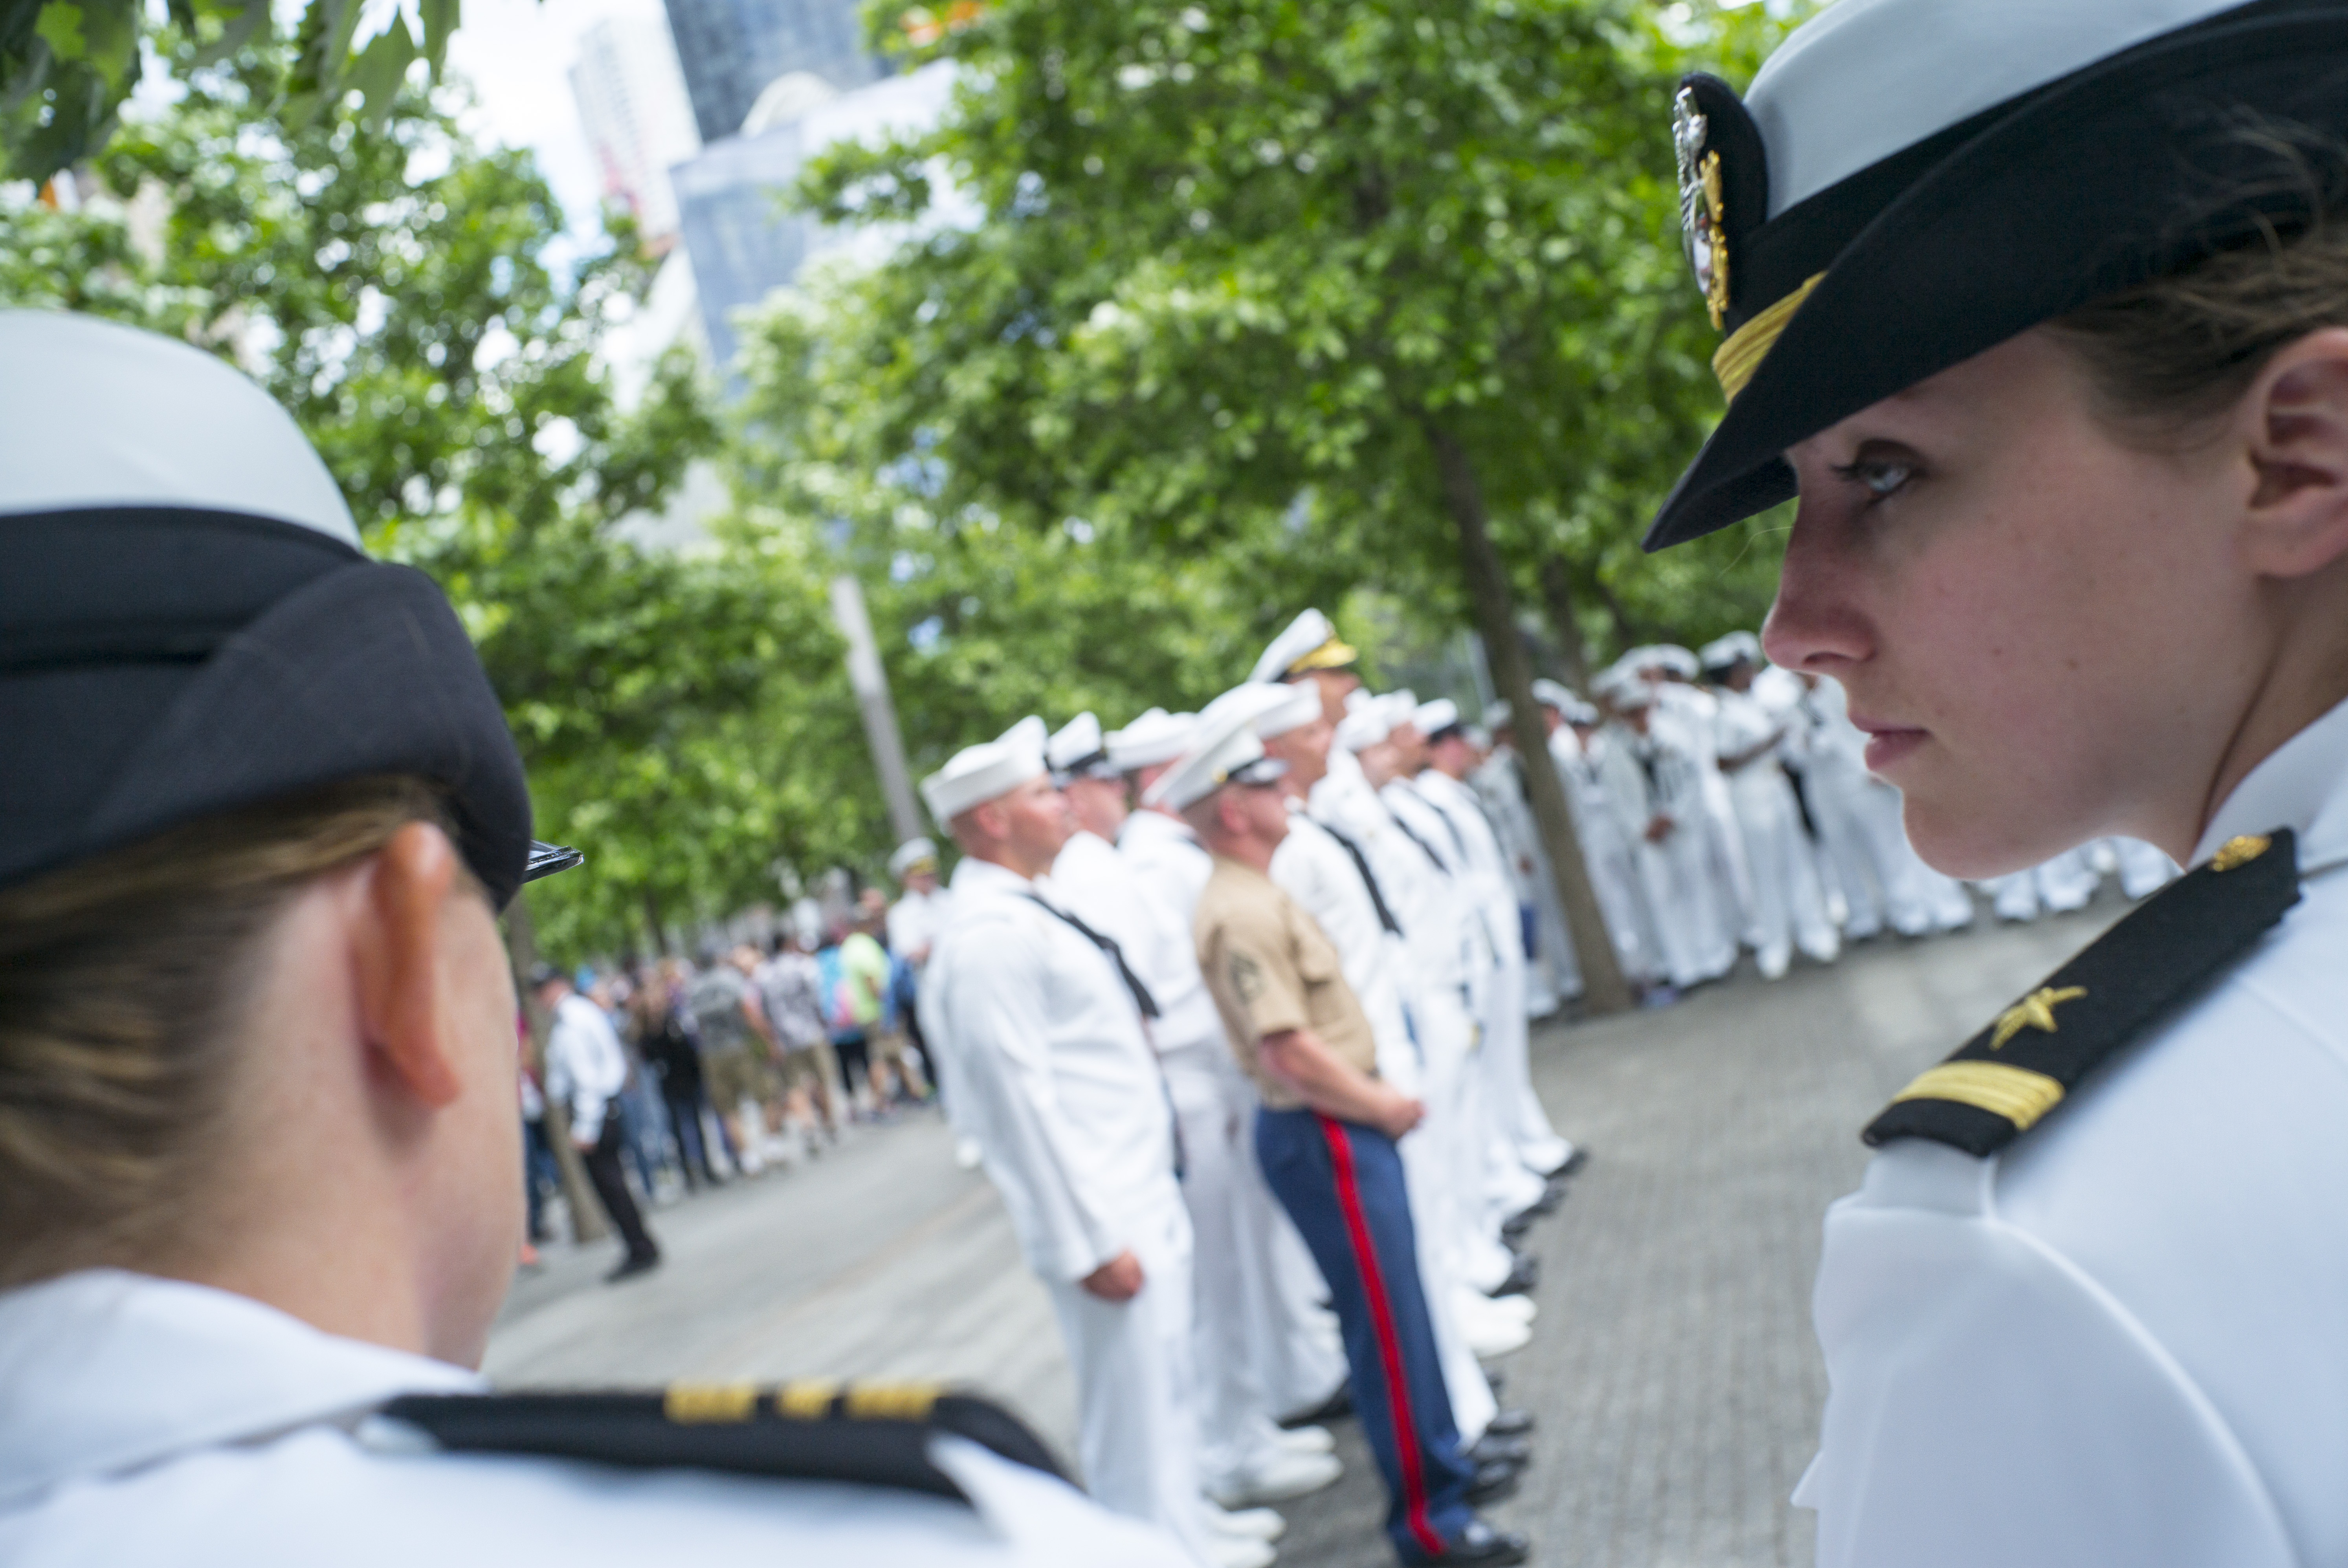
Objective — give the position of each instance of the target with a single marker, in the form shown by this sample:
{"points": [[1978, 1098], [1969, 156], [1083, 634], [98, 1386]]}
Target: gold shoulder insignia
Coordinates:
{"points": [[2036, 1053], [875, 1433]]}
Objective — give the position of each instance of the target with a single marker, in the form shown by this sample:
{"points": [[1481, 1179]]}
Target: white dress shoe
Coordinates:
{"points": [[1248, 1523], [1306, 1441], [1276, 1479]]}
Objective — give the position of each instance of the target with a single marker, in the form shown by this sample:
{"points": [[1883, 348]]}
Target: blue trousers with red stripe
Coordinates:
{"points": [[1343, 1186]]}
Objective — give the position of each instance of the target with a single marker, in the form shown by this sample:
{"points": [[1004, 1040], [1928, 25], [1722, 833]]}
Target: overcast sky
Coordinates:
{"points": [[518, 55]]}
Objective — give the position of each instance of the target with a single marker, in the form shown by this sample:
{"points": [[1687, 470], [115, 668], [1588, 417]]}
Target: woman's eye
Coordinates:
{"points": [[1880, 477]]}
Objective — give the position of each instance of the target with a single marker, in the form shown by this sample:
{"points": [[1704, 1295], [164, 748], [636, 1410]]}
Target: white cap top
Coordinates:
{"points": [[976, 774], [1865, 78], [1440, 715], [1364, 724], [1498, 715], [1079, 740], [1300, 705], [1668, 656], [1224, 749], [1553, 694], [1723, 651], [1157, 736], [1623, 687], [94, 414], [1309, 643], [910, 854]]}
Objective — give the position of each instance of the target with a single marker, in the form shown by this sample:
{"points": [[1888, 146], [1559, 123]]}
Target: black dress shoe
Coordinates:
{"points": [[1495, 1479], [1479, 1544], [1510, 1424], [1573, 1162], [1491, 1445], [1493, 1380], [631, 1267], [1513, 1228], [1336, 1405], [1522, 1278]]}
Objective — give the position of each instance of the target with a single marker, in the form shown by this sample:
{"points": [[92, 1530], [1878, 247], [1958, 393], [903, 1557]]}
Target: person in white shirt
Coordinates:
{"points": [[1045, 1024], [1790, 906], [1653, 787], [2074, 542], [259, 1211], [586, 1067]]}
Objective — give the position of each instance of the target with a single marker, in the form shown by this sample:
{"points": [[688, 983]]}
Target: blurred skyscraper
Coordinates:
{"points": [[638, 118], [731, 49]]}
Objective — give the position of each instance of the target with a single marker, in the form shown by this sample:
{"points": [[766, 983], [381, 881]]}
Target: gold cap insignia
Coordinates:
{"points": [[1701, 205], [1334, 654], [2035, 1010]]}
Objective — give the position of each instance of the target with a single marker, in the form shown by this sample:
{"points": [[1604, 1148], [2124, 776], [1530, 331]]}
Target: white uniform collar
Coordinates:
{"points": [[981, 877], [103, 1372], [2304, 787]]}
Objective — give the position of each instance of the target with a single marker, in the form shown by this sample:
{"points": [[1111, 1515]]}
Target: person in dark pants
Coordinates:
{"points": [[585, 1070], [674, 1060], [1326, 1138]]}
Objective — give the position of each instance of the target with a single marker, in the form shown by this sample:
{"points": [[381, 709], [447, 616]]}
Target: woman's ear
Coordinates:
{"points": [[2295, 423], [403, 979]]}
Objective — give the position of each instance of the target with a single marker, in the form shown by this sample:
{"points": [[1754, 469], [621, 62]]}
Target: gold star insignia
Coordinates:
{"points": [[2239, 851], [2035, 1010]]}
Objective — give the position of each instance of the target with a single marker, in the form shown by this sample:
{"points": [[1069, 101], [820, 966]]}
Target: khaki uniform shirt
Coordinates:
{"points": [[1272, 971]]}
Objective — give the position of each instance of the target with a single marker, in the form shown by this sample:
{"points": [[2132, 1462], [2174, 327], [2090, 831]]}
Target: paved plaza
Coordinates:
{"points": [[1672, 1369]]}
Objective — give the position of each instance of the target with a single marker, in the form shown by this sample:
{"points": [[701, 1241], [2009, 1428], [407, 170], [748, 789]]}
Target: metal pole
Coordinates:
{"points": [[872, 685]]}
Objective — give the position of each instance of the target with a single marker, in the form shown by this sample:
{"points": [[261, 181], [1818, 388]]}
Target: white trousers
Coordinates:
{"points": [[1241, 1323], [1622, 897], [1789, 908], [1443, 1217], [1137, 1430], [1696, 938], [1881, 876]]}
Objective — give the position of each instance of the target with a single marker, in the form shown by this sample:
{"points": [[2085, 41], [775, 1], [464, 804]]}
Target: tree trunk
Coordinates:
{"points": [[587, 1222], [1565, 623], [1603, 989]]}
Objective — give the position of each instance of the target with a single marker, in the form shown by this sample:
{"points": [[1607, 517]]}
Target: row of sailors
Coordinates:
{"points": [[1082, 1052], [1739, 813]]}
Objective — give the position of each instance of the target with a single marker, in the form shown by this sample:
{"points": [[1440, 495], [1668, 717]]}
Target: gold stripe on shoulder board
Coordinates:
{"points": [[2239, 851], [894, 1402], [807, 1399], [698, 1404], [2016, 1093]]}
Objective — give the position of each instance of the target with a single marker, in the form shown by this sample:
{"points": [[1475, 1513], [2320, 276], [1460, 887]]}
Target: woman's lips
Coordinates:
{"points": [[1888, 744]]}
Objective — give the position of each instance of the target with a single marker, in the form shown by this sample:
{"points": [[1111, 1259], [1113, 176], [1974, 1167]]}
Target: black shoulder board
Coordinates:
{"points": [[874, 1433], [2036, 1051]]}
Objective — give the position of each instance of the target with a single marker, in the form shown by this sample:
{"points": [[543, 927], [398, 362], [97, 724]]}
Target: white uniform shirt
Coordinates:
{"points": [[1743, 723], [147, 1421], [1162, 862], [1055, 1078], [1484, 865], [585, 1066], [2123, 1340], [914, 922]]}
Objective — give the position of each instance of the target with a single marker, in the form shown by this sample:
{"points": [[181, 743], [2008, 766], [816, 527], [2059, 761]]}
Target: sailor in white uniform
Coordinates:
{"points": [[2078, 549], [246, 1287], [1653, 787], [1045, 1023], [1553, 974], [1578, 743], [1788, 906], [1244, 1459], [1858, 817]]}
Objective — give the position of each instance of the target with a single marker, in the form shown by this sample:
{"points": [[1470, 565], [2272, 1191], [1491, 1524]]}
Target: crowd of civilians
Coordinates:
{"points": [[674, 1075]]}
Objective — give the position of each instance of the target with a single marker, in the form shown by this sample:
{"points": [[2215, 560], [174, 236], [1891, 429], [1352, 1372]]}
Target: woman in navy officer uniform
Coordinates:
{"points": [[2042, 312], [259, 1132]]}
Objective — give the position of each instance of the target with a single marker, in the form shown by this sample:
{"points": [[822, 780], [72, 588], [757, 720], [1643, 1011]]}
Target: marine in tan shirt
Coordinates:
{"points": [[1272, 972]]}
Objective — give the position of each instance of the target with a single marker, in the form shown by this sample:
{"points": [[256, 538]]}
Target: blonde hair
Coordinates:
{"points": [[122, 980]]}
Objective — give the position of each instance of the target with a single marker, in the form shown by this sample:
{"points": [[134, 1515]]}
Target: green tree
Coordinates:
{"points": [[67, 66], [1410, 272], [394, 289]]}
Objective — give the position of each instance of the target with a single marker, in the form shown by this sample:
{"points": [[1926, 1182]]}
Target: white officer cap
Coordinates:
{"points": [[1077, 751], [1401, 709], [1431, 718], [1309, 643], [1300, 704], [1157, 736], [121, 417], [976, 774], [1723, 651], [1500, 715], [914, 854], [1671, 656], [1224, 749]]}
